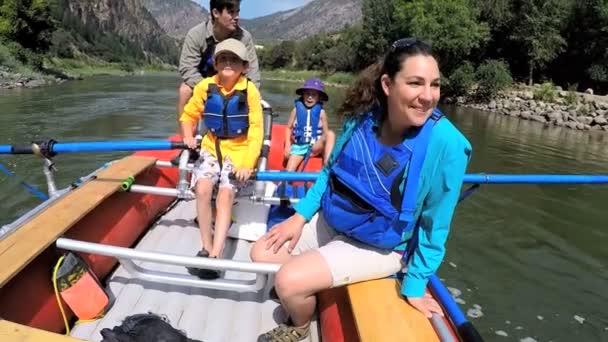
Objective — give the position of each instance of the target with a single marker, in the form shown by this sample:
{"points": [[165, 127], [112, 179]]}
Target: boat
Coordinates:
{"points": [[132, 222]]}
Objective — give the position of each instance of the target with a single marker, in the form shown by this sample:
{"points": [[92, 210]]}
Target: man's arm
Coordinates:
{"points": [[190, 58], [253, 72]]}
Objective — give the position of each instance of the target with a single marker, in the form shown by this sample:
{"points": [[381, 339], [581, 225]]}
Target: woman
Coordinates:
{"points": [[386, 199]]}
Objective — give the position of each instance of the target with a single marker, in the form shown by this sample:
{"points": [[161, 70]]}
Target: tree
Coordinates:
{"points": [[451, 26], [27, 22], [537, 29], [281, 55], [378, 31], [587, 37]]}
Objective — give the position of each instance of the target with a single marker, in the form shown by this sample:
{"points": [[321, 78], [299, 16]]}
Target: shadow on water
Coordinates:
{"points": [[531, 260]]}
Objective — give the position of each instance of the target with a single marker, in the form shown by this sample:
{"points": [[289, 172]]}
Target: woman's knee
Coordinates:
{"points": [[258, 252], [303, 275], [285, 282]]}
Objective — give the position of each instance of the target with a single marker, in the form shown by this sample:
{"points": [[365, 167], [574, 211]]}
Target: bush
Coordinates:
{"points": [[571, 97], [492, 77], [546, 92], [61, 44], [7, 58], [23, 56], [278, 56], [461, 80]]}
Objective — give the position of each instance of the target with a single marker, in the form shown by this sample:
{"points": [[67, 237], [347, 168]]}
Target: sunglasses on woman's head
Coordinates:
{"points": [[404, 43]]}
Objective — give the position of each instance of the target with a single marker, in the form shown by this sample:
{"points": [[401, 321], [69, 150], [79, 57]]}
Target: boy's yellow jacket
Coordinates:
{"points": [[243, 151]]}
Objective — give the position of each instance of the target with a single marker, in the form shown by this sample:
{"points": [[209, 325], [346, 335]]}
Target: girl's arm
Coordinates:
{"points": [[324, 124], [289, 128]]}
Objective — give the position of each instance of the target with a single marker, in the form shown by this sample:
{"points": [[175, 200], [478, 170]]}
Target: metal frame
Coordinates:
{"points": [[126, 257], [188, 194], [7, 229]]}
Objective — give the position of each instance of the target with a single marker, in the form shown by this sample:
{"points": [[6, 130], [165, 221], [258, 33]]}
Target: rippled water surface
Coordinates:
{"points": [[525, 261]]}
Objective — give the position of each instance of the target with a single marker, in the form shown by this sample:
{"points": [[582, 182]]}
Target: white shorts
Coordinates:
{"points": [[349, 260], [207, 167]]}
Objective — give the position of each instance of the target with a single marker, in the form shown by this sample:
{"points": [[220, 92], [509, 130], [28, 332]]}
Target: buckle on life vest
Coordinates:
{"points": [[406, 216]]}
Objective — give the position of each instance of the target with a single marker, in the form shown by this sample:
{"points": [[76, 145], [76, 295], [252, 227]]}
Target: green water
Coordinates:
{"points": [[526, 259]]}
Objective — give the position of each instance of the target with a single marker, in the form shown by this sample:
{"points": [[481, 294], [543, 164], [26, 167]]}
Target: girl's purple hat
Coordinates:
{"points": [[314, 84]]}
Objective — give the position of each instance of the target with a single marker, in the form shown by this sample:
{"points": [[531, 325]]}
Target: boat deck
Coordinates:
{"points": [[204, 314]]}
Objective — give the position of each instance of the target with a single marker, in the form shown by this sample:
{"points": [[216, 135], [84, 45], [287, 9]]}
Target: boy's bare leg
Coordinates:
{"points": [[204, 189], [223, 219]]}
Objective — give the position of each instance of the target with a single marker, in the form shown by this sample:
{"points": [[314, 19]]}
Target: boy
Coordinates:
{"points": [[231, 107]]}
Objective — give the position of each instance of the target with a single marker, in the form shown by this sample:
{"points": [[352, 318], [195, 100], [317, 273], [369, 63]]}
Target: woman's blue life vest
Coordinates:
{"points": [[307, 126], [364, 200], [226, 116]]}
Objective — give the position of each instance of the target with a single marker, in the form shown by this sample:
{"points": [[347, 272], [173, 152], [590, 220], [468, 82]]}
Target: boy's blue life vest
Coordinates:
{"points": [[363, 200], [306, 128], [226, 117]]}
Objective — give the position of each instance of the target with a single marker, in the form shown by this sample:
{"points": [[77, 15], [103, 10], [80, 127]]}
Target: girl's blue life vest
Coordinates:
{"points": [[306, 127], [226, 117], [363, 200]]}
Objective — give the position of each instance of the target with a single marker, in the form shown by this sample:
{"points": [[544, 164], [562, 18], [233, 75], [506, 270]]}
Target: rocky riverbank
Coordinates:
{"points": [[553, 107], [10, 79]]}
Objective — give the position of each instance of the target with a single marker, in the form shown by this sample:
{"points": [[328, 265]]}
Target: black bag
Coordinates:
{"points": [[144, 328]]}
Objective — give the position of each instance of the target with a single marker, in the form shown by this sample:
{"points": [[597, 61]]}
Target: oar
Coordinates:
{"points": [[466, 329], [32, 189], [469, 178], [51, 147]]}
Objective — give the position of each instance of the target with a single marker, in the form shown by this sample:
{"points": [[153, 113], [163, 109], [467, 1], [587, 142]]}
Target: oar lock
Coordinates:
{"points": [[44, 148]]}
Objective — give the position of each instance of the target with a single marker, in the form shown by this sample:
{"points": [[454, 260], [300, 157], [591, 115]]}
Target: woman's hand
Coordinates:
{"points": [[242, 174], [190, 142], [288, 230], [427, 305]]}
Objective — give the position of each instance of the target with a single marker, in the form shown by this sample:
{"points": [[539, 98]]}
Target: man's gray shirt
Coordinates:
{"points": [[194, 48]]}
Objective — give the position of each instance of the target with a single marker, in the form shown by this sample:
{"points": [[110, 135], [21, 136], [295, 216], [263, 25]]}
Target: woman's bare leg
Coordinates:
{"points": [[298, 281]]}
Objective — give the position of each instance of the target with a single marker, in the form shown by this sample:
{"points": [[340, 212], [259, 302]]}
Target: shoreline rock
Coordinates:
{"points": [[578, 111], [12, 80]]}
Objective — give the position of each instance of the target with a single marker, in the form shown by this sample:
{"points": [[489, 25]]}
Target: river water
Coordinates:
{"points": [[526, 262]]}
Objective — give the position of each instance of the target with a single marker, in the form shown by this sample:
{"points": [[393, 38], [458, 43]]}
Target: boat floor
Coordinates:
{"points": [[203, 314]]}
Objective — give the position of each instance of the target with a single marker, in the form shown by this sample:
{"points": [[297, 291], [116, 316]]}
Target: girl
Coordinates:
{"points": [[307, 132]]}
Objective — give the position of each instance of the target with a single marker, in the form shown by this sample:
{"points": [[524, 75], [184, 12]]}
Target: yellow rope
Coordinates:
{"points": [[65, 319]]}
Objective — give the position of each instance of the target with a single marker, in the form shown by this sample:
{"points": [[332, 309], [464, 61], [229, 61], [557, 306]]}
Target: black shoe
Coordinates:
{"points": [[202, 273]]}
